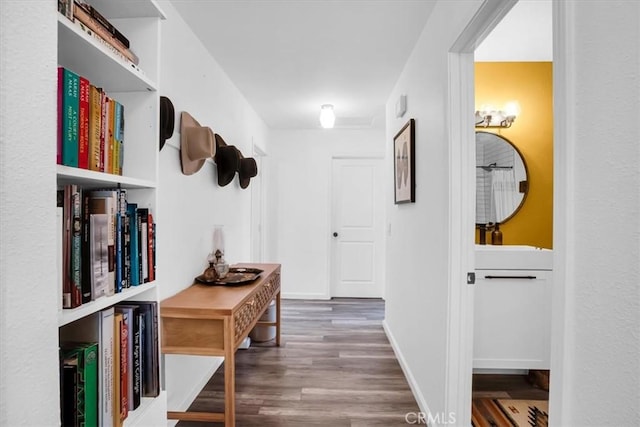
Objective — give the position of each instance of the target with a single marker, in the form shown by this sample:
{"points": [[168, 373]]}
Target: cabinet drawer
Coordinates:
{"points": [[247, 315]]}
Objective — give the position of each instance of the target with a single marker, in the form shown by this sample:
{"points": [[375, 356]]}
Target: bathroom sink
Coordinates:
{"points": [[513, 257]]}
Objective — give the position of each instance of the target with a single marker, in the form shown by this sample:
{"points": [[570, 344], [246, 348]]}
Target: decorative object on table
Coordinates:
{"points": [[217, 255], [227, 161], [235, 276], [404, 164], [167, 120], [196, 144], [248, 169], [496, 235]]}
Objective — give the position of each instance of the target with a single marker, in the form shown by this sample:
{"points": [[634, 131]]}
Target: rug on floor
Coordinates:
{"points": [[510, 413]]}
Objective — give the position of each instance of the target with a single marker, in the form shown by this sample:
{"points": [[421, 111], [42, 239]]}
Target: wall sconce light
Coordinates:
{"points": [[327, 116], [488, 116]]}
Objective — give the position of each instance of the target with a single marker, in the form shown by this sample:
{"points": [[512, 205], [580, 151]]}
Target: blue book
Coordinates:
{"points": [[132, 211], [70, 117]]}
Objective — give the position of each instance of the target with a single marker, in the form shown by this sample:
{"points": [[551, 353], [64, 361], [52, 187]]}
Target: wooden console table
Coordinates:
{"points": [[213, 321]]}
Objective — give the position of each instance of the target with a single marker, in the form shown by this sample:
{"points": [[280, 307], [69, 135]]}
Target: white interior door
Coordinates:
{"points": [[357, 228]]}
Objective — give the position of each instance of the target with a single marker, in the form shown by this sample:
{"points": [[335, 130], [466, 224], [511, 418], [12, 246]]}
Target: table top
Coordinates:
{"points": [[213, 300]]}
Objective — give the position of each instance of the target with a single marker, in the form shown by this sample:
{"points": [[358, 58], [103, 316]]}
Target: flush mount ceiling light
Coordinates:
{"points": [[327, 117]]}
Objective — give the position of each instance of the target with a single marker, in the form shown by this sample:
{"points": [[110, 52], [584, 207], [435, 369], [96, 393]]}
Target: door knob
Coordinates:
{"points": [[335, 234]]}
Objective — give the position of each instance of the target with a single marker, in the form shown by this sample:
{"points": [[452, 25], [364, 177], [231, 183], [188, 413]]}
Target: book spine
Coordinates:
{"points": [[124, 366], [86, 249], [118, 253], [124, 236], [76, 246], [90, 370], [132, 213], [83, 124], [136, 373], [150, 247], [95, 121], [108, 26], [106, 364], [119, 137], [110, 154], [60, 112], [104, 129], [99, 254], [65, 7], [81, 15], [117, 332], [143, 232], [66, 247], [70, 118]]}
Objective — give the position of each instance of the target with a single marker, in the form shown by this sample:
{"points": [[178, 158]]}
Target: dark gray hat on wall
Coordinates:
{"points": [[227, 160], [167, 120], [248, 169]]}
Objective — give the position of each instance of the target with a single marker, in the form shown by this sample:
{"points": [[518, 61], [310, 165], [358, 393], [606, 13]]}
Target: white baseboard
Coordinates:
{"points": [[417, 394], [297, 295]]}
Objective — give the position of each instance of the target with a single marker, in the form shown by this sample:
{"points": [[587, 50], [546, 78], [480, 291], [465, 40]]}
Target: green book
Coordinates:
{"points": [[70, 117], [87, 360]]}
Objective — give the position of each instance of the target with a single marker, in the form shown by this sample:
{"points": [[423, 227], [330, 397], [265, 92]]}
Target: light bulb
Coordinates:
{"points": [[327, 117]]}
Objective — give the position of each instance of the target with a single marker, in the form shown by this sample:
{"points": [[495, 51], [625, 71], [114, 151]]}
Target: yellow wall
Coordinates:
{"points": [[530, 84]]}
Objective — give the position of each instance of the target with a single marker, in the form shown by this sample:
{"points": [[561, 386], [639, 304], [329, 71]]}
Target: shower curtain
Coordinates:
{"points": [[503, 193]]}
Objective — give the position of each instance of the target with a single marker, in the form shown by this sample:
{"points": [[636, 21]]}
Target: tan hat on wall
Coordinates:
{"points": [[197, 144]]}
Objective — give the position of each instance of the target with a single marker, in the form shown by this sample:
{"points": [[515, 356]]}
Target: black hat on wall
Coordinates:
{"points": [[227, 160], [248, 169], [167, 120]]}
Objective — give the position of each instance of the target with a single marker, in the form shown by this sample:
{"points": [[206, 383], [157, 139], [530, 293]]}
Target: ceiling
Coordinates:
{"points": [[290, 57]]}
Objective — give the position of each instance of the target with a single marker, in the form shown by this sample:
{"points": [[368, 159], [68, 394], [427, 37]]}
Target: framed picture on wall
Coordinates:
{"points": [[404, 164]]}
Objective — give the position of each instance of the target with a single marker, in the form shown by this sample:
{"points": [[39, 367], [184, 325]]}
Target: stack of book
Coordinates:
{"points": [[92, 22], [90, 125], [102, 380], [108, 244]]}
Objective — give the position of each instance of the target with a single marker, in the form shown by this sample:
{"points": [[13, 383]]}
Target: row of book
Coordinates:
{"points": [[90, 125], [102, 380], [108, 244], [92, 22]]}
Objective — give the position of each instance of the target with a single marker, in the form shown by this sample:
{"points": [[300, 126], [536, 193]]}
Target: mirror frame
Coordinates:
{"points": [[524, 183]]}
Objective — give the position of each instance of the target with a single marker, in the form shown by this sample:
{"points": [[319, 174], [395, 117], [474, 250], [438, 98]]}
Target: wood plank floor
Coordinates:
{"points": [[335, 368]]}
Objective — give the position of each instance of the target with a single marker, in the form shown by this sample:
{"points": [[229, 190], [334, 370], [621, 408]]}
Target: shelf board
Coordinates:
{"points": [[88, 57], [71, 315], [89, 178], [113, 9], [150, 410]]}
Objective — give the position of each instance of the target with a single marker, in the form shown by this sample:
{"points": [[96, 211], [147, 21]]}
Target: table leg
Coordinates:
{"points": [[278, 319], [229, 376]]}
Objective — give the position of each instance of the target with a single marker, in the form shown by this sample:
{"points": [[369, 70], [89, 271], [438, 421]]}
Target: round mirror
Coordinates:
{"points": [[501, 179]]}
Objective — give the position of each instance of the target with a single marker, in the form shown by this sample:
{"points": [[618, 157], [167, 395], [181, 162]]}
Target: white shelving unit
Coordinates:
{"points": [[136, 88]]}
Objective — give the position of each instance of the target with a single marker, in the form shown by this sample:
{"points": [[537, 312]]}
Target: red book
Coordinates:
{"points": [[60, 98], [83, 125], [124, 366]]}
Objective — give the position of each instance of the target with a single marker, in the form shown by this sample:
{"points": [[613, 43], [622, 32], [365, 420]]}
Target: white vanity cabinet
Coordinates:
{"points": [[512, 309]]}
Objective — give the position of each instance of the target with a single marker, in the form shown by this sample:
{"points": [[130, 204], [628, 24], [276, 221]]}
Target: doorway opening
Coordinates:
{"points": [[514, 195]]}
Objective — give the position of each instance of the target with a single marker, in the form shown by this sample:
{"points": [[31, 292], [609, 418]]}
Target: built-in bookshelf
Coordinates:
{"points": [[135, 87]]}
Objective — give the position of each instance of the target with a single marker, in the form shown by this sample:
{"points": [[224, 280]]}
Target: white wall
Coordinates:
{"points": [[189, 206], [300, 201], [596, 337], [417, 249], [29, 347]]}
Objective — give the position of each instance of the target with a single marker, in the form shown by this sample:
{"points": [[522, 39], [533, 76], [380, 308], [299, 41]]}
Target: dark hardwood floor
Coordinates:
{"points": [[335, 368]]}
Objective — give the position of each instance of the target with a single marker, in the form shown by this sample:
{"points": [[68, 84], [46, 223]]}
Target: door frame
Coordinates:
{"points": [[330, 240], [459, 371], [258, 214]]}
